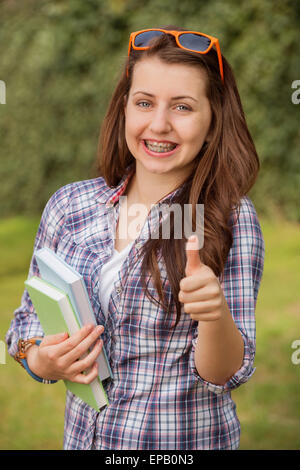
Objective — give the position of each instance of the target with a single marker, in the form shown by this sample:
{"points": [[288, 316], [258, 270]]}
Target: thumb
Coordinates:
{"points": [[193, 261], [54, 339]]}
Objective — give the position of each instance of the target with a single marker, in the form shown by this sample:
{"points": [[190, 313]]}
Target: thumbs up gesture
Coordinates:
{"points": [[200, 291]]}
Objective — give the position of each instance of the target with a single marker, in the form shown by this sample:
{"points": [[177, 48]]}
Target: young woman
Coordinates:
{"points": [[177, 319]]}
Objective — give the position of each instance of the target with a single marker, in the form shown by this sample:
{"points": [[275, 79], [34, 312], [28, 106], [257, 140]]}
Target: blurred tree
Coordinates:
{"points": [[60, 62]]}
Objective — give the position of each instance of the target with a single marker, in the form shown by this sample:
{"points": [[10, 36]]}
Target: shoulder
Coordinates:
{"points": [[82, 189], [244, 220], [248, 240], [77, 193], [244, 211], [72, 200], [245, 260]]}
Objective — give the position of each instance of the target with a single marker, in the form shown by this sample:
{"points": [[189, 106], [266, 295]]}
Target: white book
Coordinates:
{"points": [[56, 315], [56, 271]]}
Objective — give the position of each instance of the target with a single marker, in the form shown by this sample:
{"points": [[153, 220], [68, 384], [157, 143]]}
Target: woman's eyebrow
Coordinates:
{"points": [[173, 98]]}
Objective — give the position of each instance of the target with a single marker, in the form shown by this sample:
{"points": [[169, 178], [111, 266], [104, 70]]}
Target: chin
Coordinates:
{"points": [[158, 167]]}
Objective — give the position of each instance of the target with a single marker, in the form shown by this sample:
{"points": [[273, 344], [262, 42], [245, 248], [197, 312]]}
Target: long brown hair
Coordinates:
{"points": [[224, 170]]}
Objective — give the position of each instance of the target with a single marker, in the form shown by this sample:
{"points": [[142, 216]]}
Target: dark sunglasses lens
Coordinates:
{"points": [[142, 39], [194, 42]]}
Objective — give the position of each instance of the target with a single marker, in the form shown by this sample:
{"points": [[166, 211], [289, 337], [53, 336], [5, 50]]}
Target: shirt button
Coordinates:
{"points": [[119, 290]]}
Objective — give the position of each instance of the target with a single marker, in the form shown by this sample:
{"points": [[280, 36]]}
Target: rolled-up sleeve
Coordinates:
{"points": [[25, 323], [240, 283]]}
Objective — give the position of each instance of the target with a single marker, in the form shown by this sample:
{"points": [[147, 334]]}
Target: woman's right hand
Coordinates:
{"points": [[61, 357]]}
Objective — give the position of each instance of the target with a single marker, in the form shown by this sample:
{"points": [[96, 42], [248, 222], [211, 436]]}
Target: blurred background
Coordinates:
{"points": [[59, 63]]}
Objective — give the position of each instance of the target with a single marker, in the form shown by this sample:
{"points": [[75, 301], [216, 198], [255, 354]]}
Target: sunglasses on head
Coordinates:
{"points": [[189, 40]]}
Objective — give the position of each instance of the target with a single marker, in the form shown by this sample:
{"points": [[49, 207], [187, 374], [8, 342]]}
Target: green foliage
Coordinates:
{"points": [[16, 244], [61, 60]]}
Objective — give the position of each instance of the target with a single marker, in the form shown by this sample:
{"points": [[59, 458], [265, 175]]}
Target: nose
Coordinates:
{"points": [[160, 123]]}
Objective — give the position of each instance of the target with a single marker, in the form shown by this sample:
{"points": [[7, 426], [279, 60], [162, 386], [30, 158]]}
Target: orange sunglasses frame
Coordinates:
{"points": [[176, 34]]}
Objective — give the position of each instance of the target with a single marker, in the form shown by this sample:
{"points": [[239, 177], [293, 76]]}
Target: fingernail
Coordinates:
{"points": [[192, 243]]}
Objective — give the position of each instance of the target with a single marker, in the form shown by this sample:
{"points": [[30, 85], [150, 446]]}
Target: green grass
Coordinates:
{"points": [[268, 406], [32, 414]]}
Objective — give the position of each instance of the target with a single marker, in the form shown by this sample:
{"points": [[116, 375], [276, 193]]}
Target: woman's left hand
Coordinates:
{"points": [[200, 290]]}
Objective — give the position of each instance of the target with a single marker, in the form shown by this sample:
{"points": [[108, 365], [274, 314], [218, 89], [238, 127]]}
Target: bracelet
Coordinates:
{"points": [[20, 357]]}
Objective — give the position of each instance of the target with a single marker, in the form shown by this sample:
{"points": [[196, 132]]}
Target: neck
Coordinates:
{"points": [[149, 188]]}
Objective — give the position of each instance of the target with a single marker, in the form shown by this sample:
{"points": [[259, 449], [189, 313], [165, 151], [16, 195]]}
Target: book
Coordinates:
{"points": [[56, 315], [57, 272]]}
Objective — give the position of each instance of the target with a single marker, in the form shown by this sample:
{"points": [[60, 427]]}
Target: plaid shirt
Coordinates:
{"points": [[157, 398]]}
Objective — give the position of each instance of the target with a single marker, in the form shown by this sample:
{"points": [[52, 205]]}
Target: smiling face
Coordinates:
{"points": [[166, 105]]}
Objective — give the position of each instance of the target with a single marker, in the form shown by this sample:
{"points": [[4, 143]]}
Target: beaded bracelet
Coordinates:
{"points": [[20, 357]]}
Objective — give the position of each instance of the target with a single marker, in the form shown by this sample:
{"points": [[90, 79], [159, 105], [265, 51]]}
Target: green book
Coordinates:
{"points": [[56, 315]]}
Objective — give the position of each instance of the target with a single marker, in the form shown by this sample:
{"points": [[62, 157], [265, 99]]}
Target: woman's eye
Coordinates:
{"points": [[142, 102], [183, 106]]}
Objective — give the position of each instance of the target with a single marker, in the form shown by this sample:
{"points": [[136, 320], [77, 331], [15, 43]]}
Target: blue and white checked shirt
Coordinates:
{"points": [[157, 398]]}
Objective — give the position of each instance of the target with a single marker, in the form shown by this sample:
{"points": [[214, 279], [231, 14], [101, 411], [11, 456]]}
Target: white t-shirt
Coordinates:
{"points": [[108, 275]]}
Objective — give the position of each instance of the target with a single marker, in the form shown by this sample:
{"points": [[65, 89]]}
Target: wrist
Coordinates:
{"points": [[22, 354], [32, 359]]}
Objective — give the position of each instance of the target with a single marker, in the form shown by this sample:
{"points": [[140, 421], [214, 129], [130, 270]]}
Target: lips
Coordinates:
{"points": [[160, 141]]}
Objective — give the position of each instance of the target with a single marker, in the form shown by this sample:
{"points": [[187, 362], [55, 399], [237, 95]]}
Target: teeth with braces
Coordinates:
{"points": [[160, 147]]}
